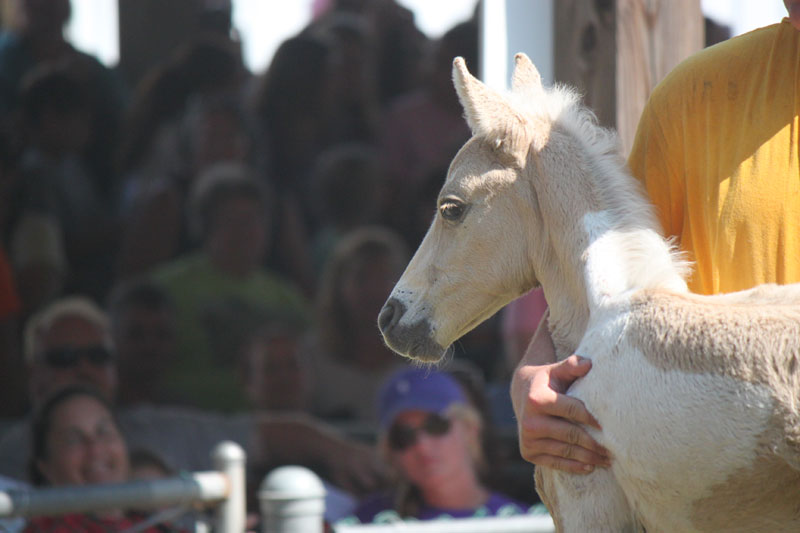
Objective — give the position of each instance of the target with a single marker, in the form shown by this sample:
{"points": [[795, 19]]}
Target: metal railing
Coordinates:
{"points": [[224, 487], [291, 500]]}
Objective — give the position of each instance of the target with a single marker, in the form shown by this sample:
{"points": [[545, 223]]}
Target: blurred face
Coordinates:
{"points": [[145, 341], [367, 285], [84, 445], [239, 232], [275, 379], [44, 16], [433, 462], [73, 351], [219, 137], [352, 69], [793, 9], [65, 133]]}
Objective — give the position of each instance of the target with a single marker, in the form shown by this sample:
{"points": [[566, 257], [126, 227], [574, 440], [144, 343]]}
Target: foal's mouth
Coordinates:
{"points": [[415, 340]]}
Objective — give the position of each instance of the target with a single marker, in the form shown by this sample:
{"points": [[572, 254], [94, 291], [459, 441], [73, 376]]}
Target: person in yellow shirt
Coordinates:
{"points": [[718, 151]]}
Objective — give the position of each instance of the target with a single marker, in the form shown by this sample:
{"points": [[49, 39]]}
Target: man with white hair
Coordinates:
{"points": [[67, 343]]}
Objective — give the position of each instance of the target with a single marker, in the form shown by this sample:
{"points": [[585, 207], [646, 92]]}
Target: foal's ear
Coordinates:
{"points": [[490, 115], [526, 79], [485, 110]]}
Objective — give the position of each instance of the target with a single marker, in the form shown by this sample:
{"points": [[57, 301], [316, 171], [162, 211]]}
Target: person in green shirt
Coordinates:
{"points": [[228, 210]]}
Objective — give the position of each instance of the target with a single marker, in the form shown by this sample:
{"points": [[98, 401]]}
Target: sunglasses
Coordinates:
{"points": [[68, 357], [402, 437]]}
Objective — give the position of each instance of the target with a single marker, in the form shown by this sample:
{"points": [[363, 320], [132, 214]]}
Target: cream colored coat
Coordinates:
{"points": [[698, 397]]}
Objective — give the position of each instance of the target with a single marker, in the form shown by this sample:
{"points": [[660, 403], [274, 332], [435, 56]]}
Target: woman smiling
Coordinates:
{"points": [[76, 441]]}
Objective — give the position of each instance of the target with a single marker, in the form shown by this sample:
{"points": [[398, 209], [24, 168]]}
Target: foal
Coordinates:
{"points": [[698, 396]]}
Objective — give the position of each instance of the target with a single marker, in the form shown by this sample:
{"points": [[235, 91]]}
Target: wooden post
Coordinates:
{"points": [[616, 51]]}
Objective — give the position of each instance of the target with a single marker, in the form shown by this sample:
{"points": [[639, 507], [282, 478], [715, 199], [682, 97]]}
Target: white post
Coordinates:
{"points": [[229, 458], [292, 500], [494, 44], [511, 26]]}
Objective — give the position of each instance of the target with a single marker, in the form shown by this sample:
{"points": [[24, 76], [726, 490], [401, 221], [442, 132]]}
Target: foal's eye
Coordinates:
{"points": [[451, 209]]}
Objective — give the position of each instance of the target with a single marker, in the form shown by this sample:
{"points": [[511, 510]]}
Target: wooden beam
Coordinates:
{"points": [[616, 51]]}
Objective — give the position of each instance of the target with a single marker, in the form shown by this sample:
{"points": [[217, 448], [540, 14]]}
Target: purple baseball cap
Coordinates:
{"points": [[422, 389]]}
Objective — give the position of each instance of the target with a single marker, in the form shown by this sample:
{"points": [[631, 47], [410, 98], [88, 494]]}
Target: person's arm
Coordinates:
{"points": [[548, 421], [300, 439]]}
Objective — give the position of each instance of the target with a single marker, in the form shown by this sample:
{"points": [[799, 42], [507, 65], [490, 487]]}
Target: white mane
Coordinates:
{"points": [[634, 220]]}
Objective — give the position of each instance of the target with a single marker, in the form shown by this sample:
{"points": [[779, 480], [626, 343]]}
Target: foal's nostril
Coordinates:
{"points": [[390, 315]]}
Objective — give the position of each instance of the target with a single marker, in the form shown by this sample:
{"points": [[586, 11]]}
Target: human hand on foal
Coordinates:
{"points": [[549, 421]]}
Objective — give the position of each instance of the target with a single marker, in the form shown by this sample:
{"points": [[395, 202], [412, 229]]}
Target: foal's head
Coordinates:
{"points": [[491, 231]]}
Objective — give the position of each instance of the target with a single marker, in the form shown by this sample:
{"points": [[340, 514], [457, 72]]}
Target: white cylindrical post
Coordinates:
{"points": [[292, 500], [229, 458], [494, 44], [6, 504], [511, 26]]}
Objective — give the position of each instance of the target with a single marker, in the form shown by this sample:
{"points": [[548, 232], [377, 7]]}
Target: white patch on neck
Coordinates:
{"points": [[605, 273]]}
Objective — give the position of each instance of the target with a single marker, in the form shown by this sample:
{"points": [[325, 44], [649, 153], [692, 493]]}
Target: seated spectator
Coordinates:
{"points": [[430, 435], [77, 441], [211, 130], [34, 35], [347, 191], [397, 42], [68, 343], [143, 333], [151, 154], [291, 105], [273, 371], [291, 108], [229, 210], [56, 189], [275, 375], [348, 357], [424, 129], [354, 107]]}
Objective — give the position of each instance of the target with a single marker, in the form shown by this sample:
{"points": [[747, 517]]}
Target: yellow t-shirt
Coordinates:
{"points": [[717, 151]]}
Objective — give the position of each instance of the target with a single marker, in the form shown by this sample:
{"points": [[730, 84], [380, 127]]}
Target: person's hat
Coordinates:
{"points": [[422, 389]]}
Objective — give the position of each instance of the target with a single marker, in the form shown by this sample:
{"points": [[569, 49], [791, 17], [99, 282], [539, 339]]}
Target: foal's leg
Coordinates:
{"points": [[585, 503]]}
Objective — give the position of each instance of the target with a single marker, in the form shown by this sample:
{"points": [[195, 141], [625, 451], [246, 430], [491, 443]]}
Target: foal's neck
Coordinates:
{"points": [[614, 263], [609, 247]]}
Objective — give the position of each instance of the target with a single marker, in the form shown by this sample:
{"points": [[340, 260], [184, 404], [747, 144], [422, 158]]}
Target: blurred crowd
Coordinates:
{"points": [[203, 256]]}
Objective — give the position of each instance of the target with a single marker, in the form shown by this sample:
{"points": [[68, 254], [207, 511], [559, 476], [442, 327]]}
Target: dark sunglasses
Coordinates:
{"points": [[67, 357], [402, 437]]}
